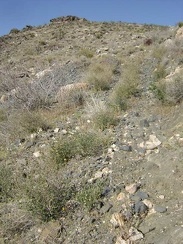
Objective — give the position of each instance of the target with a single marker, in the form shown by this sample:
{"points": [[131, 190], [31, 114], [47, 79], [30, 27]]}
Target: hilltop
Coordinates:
{"points": [[91, 133]]}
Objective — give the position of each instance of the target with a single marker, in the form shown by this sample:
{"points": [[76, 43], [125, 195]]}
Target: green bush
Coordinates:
{"points": [[158, 90], [104, 119], [127, 87], [84, 144], [3, 115], [159, 73], [6, 183], [47, 199], [100, 76], [32, 121], [169, 90], [180, 24], [89, 195], [86, 52]]}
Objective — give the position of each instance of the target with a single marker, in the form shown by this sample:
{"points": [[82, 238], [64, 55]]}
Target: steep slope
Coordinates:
{"points": [[91, 133]]}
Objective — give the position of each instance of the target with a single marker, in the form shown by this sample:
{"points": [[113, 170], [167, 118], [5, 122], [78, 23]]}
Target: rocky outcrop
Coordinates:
{"points": [[68, 18]]}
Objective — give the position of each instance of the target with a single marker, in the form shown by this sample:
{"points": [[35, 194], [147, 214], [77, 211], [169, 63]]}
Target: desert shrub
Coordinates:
{"points": [[3, 115], [180, 24], [47, 198], [105, 119], [159, 73], [84, 144], [127, 87], [100, 76], [14, 31], [89, 195], [86, 52], [71, 98], [14, 221], [34, 95], [101, 114], [174, 88], [148, 42], [169, 90], [159, 91], [159, 51], [6, 183], [32, 122]]}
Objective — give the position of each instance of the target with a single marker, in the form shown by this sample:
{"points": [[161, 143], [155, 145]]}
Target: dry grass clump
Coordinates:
{"points": [[13, 222], [126, 87], [173, 88], [86, 52], [100, 76], [72, 95], [6, 183], [101, 114], [32, 121]]}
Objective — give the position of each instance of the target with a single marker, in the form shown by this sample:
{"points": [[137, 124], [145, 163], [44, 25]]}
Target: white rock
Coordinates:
{"points": [[106, 171], [135, 235], [120, 240], [162, 197], [33, 135], [56, 130], [131, 188], [121, 196], [148, 203], [98, 174], [64, 132], [153, 142], [37, 154]]}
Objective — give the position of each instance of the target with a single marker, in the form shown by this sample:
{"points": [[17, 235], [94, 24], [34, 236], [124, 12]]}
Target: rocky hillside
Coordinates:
{"points": [[91, 133]]}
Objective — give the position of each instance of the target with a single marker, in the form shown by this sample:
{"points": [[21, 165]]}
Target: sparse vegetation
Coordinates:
{"points": [[84, 151], [84, 144], [86, 52], [33, 121], [100, 76], [89, 195], [6, 183], [47, 198], [127, 87], [180, 24]]}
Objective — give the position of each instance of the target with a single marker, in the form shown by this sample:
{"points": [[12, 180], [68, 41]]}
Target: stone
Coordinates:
{"points": [[98, 174], [29, 144], [132, 188], [162, 197], [121, 196], [117, 220], [148, 203], [106, 171], [135, 235], [140, 208], [120, 240], [126, 148], [144, 123], [106, 208], [56, 130], [64, 132], [33, 135], [37, 154], [160, 209], [153, 143], [179, 33], [142, 195]]}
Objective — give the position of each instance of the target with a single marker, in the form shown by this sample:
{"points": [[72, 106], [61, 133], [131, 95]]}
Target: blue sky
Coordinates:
{"points": [[19, 13]]}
